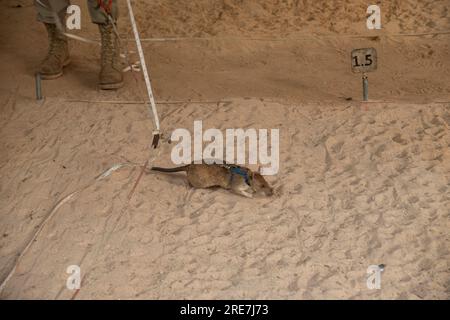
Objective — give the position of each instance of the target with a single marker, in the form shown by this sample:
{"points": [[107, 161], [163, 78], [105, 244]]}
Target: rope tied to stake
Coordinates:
{"points": [[142, 64]]}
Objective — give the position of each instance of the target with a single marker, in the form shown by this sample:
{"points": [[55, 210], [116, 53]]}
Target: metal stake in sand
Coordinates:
{"points": [[38, 82], [363, 61], [365, 87], [156, 133]]}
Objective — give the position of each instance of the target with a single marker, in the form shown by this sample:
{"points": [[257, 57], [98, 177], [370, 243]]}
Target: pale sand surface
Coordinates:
{"points": [[359, 184]]}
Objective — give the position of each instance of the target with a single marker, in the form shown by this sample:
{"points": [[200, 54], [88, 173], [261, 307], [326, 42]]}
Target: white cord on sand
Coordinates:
{"points": [[75, 37], [144, 66], [289, 38], [52, 213]]}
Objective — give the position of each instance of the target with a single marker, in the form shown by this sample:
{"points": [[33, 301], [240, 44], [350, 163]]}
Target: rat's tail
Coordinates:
{"points": [[178, 169]]}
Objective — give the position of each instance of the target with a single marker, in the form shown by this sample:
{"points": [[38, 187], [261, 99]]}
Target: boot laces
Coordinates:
{"points": [[109, 45], [56, 44]]}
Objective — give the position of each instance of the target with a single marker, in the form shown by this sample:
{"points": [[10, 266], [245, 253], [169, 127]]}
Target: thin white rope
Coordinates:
{"points": [[82, 39], [58, 205], [295, 37], [141, 101], [144, 67], [52, 212], [104, 240], [230, 101], [288, 38]]}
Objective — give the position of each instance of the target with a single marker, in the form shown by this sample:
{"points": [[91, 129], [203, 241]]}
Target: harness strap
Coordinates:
{"points": [[236, 170], [241, 172]]}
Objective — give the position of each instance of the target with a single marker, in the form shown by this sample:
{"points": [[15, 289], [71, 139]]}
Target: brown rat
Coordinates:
{"points": [[239, 179]]}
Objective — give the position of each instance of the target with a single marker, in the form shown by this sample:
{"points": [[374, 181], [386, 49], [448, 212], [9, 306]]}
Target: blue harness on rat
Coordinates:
{"points": [[239, 171]]}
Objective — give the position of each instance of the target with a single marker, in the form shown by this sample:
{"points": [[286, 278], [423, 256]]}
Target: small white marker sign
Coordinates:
{"points": [[364, 60]]}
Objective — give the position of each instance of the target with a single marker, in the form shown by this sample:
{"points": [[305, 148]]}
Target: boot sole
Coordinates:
{"points": [[111, 86], [56, 75]]}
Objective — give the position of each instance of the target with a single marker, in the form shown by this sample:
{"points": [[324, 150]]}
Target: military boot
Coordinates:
{"points": [[111, 70], [57, 56]]}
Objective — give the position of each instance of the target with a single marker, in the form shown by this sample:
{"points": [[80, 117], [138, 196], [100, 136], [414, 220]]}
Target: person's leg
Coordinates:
{"points": [[49, 12], [98, 10], [111, 70], [46, 10]]}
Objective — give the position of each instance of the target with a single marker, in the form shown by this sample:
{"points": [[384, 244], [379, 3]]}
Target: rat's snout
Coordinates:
{"points": [[268, 191], [261, 185]]}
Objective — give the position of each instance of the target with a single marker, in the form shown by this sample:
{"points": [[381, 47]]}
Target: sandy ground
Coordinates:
{"points": [[359, 183]]}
